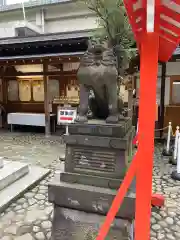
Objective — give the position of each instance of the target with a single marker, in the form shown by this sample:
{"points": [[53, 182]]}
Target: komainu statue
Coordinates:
{"points": [[98, 72]]}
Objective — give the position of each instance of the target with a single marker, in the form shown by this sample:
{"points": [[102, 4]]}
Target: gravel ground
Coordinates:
{"points": [[30, 217]]}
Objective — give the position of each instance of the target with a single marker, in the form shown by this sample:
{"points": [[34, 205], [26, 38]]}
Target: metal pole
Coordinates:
{"points": [[169, 137], [178, 155], [176, 143], [67, 130], [176, 174]]}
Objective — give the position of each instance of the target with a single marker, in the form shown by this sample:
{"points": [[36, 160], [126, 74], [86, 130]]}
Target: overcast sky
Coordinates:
{"points": [[15, 1]]}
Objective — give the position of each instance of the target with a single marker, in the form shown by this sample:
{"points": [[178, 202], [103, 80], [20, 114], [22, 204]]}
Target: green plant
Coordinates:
{"points": [[114, 28]]}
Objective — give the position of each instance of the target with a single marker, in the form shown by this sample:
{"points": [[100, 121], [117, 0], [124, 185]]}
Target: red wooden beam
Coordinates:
{"points": [[146, 124], [157, 16], [129, 10], [133, 17], [138, 13], [170, 26], [176, 2], [118, 200], [134, 1], [166, 49], [139, 25], [168, 36], [170, 13]]}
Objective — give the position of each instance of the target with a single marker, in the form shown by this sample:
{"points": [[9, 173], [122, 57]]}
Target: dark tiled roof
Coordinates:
{"points": [[47, 37], [42, 56], [31, 4]]}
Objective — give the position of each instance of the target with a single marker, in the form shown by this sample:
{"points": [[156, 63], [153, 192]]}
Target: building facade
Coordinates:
{"points": [[45, 17], [41, 46], [168, 94]]}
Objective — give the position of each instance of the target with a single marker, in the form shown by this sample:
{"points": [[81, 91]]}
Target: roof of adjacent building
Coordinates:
{"points": [[34, 56], [31, 4], [47, 37]]}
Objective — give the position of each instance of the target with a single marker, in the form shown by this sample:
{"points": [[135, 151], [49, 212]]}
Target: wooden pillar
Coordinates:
{"points": [[5, 86], [162, 99], [46, 101]]}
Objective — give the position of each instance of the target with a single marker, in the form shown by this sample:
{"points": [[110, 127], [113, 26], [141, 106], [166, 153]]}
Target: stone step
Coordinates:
{"points": [[20, 186], [11, 172], [73, 224], [93, 180], [89, 198]]}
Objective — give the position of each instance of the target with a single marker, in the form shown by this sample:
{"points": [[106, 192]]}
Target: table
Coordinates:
{"points": [[30, 119]]}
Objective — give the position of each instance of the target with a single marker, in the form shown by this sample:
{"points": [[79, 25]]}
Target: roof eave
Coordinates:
{"points": [[47, 37]]}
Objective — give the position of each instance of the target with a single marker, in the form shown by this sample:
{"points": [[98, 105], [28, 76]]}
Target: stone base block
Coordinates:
{"points": [[71, 224], [175, 175], [90, 199], [98, 156], [92, 180], [96, 127], [11, 172], [21, 185]]}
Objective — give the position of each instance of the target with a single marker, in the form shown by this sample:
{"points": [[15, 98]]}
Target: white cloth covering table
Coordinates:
{"points": [[29, 119]]}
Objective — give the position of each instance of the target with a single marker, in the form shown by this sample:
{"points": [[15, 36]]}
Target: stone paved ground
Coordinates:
{"points": [[30, 217]]}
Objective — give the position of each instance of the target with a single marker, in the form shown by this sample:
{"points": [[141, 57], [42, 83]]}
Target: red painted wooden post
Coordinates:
{"points": [[118, 200], [147, 116], [152, 46]]}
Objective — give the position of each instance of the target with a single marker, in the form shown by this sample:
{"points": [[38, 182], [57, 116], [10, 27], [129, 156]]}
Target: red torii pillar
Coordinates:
{"points": [[155, 27]]}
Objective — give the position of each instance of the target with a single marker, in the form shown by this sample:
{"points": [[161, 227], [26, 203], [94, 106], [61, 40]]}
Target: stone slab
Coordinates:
{"points": [[100, 156], [11, 172], [100, 141], [93, 180], [71, 224], [90, 180], [96, 161], [90, 198], [101, 128], [19, 187]]}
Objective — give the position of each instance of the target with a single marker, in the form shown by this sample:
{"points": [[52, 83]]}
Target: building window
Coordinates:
{"points": [[38, 90], [72, 91], [25, 91], [31, 89], [70, 66], [13, 93], [175, 92], [53, 89]]}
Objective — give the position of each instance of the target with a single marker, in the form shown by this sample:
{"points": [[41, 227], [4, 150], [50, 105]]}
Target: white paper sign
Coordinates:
{"points": [[66, 115]]}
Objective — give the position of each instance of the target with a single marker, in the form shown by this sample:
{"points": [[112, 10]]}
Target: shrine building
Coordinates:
{"points": [[41, 43]]}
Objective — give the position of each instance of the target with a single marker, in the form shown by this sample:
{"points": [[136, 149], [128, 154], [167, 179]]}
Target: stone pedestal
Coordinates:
{"points": [[71, 224], [95, 164]]}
